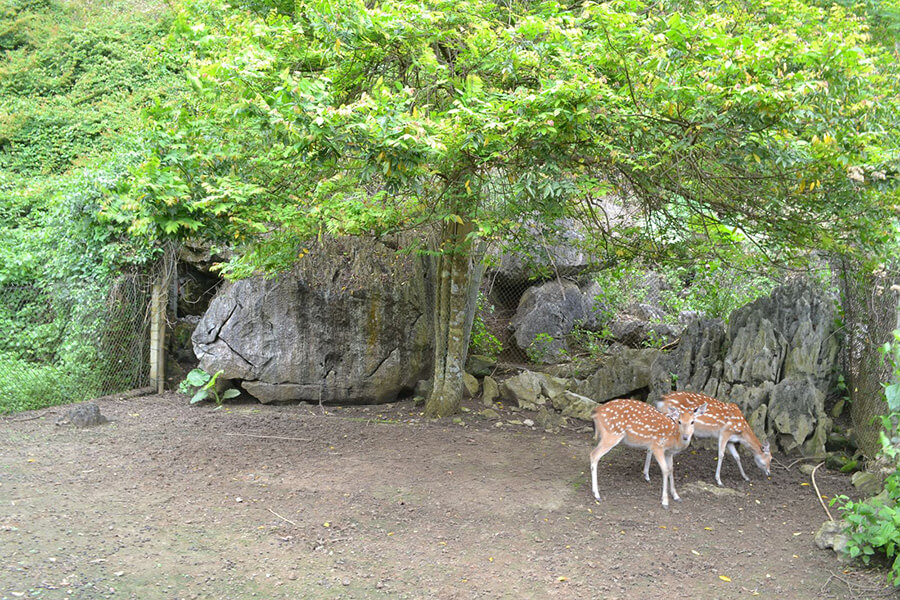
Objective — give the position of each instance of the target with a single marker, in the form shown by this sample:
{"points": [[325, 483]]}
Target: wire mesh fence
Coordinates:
{"points": [[72, 341], [870, 308], [633, 304], [69, 342]]}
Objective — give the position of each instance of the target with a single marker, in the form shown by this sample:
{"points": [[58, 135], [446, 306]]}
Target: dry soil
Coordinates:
{"points": [[175, 501]]}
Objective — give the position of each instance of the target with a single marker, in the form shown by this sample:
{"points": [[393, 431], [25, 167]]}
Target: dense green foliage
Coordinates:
{"points": [[771, 121], [74, 78], [873, 525], [777, 118]]}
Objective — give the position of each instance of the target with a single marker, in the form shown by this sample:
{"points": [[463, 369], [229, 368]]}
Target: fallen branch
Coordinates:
{"points": [[22, 420], [271, 437], [860, 590], [670, 345], [818, 493], [801, 459], [282, 518]]}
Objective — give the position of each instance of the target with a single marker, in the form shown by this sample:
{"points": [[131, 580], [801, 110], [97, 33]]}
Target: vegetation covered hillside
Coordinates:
{"points": [[74, 77], [74, 80]]}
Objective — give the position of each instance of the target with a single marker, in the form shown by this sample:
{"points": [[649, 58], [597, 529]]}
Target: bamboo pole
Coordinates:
{"points": [[158, 302]]}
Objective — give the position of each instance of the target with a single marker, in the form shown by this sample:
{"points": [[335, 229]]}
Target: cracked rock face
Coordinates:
{"points": [[347, 326]]}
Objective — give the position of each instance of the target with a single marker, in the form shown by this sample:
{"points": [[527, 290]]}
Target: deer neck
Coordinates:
{"points": [[751, 441]]}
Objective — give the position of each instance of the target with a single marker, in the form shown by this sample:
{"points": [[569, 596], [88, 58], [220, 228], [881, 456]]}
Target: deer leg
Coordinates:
{"points": [[737, 458], [647, 465], [607, 443], [723, 442], [663, 462], [670, 459]]}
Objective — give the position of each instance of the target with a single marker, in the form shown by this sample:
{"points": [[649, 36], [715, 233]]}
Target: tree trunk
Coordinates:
{"points": [[458, 273]]}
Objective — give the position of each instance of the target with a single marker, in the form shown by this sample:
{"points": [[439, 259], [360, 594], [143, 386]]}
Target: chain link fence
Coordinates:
{"points": [[72, 341], [69, 342], [870, 310], [633, 304]]}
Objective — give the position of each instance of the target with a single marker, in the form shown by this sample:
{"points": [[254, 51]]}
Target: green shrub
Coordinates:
{"points": [[713, 289], [201, 386], [541, 349], [74, 80], [30, 386], [873, 525]]}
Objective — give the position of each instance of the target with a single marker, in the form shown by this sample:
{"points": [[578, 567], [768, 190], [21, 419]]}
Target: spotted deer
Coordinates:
{"points": [[722, 420], [640, 425]]}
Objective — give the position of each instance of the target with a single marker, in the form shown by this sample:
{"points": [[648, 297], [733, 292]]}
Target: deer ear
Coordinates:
{"points": [[700, 410], [673, 413], [765, 448]]}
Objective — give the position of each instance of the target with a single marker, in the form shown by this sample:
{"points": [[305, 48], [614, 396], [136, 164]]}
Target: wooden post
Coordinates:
{"points": [[158, 302]]}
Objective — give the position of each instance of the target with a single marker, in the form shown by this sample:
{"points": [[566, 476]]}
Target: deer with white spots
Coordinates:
{"points": [[640, 425], [722, 420]]}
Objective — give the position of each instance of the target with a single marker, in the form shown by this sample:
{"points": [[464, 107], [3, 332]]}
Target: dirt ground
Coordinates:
{"points": [[250, 501]]}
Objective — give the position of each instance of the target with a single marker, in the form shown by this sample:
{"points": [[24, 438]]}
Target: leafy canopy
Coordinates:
{"points": [[774, 117]]}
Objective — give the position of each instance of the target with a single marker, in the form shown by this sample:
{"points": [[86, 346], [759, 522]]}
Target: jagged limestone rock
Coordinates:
{"points": [[523, 390], [796, 413], [620, 374], [779, 352], [574, 405], [549, 419], [831, 535], [551, 386]]}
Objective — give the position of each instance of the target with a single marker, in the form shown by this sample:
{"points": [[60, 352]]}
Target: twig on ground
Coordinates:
{"points": [[282, 518], [859, 590], [833, 576], [22, 420], [801, 459], [818, 493], [271, 437]]}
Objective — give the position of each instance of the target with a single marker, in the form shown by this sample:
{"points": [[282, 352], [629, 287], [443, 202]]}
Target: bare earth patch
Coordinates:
{"points": [[251, 501]]}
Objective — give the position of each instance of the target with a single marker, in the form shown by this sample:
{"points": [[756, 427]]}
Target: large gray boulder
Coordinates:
{"points": [[547, 313], [346, 326]]}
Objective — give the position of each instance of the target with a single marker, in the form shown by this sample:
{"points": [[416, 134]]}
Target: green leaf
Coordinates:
{"points": [[892, 395], [197, 377], [212, 380], [200, 396]]}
